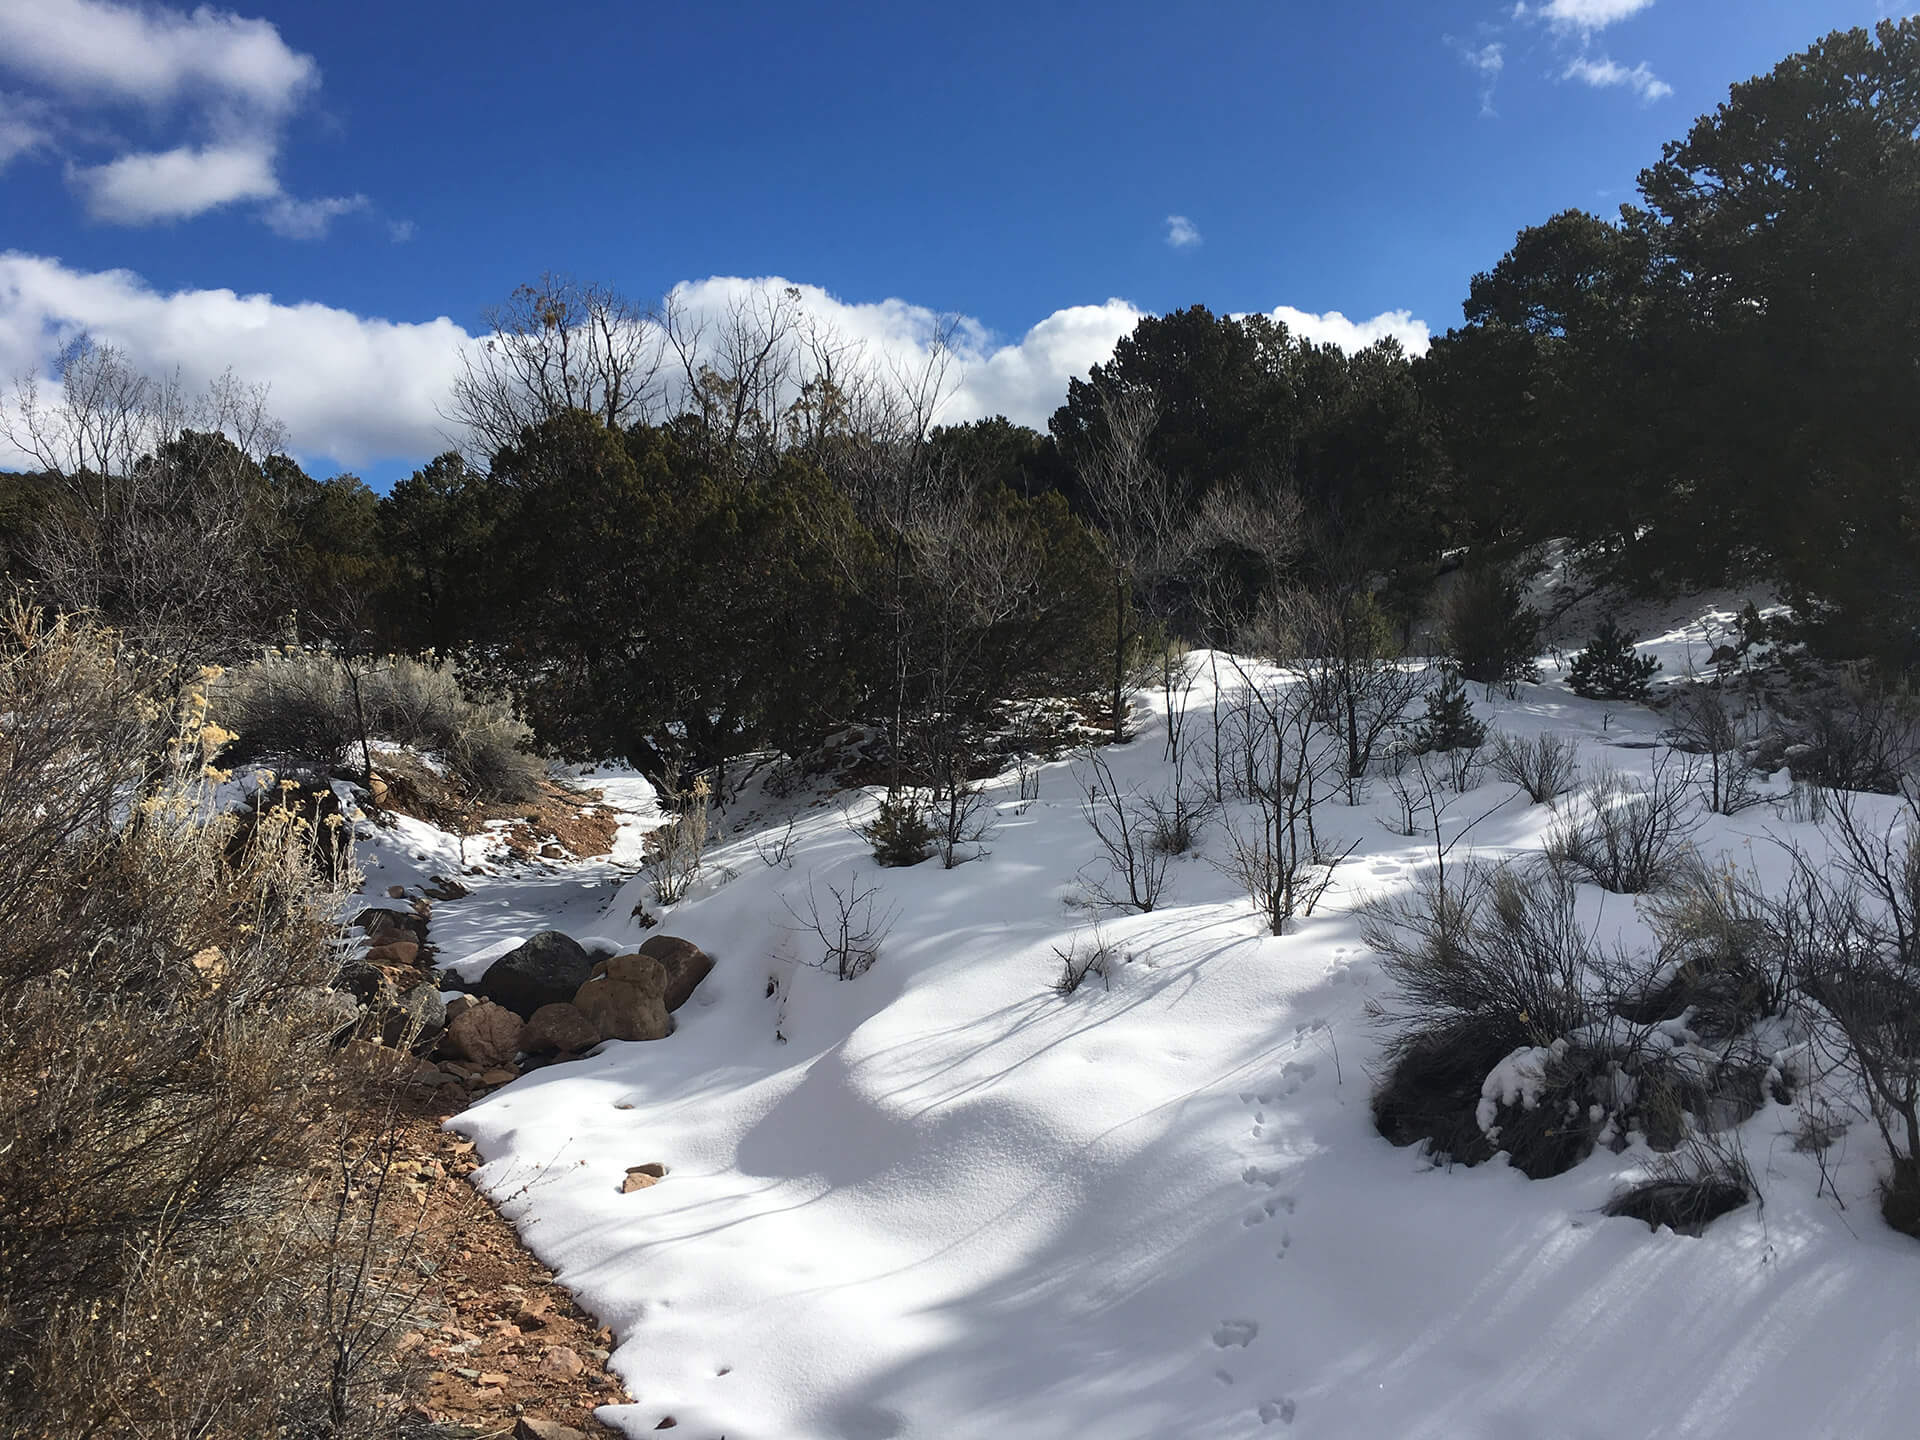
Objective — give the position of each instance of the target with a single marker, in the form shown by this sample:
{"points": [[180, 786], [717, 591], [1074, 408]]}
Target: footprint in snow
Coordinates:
{"points": [[1229, 1333], [1254, 1175], [1281, 1410]]}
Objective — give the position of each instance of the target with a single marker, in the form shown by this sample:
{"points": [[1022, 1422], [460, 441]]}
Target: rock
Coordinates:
{"points": [[416, 1019], [629, 1006], [487, 1034], [498, 1076], [393, 952], [335, 1010], [686, 965], [396, 892], [547, 970], [458, 1005], [530, 1427], [368, 984], [443, 888], [558, 1028], [379, 918], [642, 1177], [561, 1360]]}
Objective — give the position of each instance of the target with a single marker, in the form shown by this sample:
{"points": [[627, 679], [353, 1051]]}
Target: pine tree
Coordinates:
{"points": [[1449, 723], [1609, 668]]}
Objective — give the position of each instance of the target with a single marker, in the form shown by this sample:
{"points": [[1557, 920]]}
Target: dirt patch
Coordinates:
{"points": [[498, 1337], [562, 823]]}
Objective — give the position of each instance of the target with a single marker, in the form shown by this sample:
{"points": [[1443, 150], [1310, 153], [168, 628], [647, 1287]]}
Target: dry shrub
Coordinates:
{"points": [[1546, 767], [161, 1044], [1630, 839], [307, 713]]}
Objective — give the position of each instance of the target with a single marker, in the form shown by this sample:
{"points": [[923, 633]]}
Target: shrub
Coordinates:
{"points": [[1704, 724], [1078, 965], [1689, 1190], [164, 1250], [311, 714], [676, 849], [1546, 767], [1487, 964], [899, 832], [1628, 840], [1491, 635], [1859, 737], [1610, 668]]}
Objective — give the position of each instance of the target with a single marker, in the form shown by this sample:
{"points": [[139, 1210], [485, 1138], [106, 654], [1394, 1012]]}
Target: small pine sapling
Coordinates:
{"points": [[1609, 668], [1449, 723]]}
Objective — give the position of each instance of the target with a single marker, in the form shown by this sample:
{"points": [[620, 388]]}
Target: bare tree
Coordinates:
{"points": [[1277, 855], [1123, 824], [557, 344], [163, 511], [1137, 509]]}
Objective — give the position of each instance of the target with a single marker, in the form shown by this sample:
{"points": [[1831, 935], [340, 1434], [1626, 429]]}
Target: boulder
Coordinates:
{"points": [[532, 1427], [487, 1034], [394, 952], [336, 1011], [547, 970], [367, 983], [416, 1019], [630, 1005], [686, 965], [559, 1028]]}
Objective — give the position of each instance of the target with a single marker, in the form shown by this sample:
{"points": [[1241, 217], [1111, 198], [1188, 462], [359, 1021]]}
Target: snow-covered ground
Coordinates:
{"points": [[942, 1201]]}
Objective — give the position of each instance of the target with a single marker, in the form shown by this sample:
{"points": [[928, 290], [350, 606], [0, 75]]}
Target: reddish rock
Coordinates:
{"points": [[685, 963]]}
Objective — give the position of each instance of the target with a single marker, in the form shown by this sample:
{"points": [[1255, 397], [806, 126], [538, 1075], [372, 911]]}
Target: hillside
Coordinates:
{"points": [[942, 1200]]}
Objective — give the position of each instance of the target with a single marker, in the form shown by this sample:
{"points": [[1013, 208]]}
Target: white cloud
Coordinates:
{"points": [[354, 389], [1606, 74], [23, 128], [309, 219], [1333, 328], [232, 83], [1182, 233], [176, 184], [1585, 16], [101, 50], [348, 387], [1488, 61]]}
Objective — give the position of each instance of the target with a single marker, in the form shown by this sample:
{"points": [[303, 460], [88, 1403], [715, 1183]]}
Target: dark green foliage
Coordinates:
{"points": [[1449, 723], [1609, 668], [1431, 1088], [900, 832], [1686, 1207], [1492, 636], [1725, 382]]}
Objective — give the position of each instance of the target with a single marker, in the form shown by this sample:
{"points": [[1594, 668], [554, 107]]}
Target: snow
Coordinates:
{"points": [[941, 1201]]}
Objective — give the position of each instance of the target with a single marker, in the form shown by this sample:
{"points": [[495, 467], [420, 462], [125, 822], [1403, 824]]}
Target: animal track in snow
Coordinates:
{"points": [[1229, 1333], [1254, 1175], [1286, 1244], [1281, 1410], [1270, 1209]]}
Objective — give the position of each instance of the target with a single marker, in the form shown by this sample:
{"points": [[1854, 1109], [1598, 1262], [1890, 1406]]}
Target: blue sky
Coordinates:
{"points": [[362, 163]]}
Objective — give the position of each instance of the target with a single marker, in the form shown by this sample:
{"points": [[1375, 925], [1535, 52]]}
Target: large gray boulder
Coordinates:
{"points": [[548, 970]]}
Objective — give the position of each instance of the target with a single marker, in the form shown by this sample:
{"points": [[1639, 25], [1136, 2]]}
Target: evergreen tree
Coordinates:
{"points": [[1449, 723], [1610, 668]]}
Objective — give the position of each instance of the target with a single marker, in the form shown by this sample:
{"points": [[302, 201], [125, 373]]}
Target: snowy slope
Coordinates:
{"points": [[950, 1203]]}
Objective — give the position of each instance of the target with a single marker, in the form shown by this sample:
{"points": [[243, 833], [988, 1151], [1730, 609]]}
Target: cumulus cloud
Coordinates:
{"points": [[1585, 16], [100, 49], [231, 82], [1182, 233], [354, 390], [177, 184], [1606, 74]]}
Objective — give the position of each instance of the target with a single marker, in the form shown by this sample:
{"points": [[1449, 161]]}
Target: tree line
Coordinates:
{"points": [[678, 539]]}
